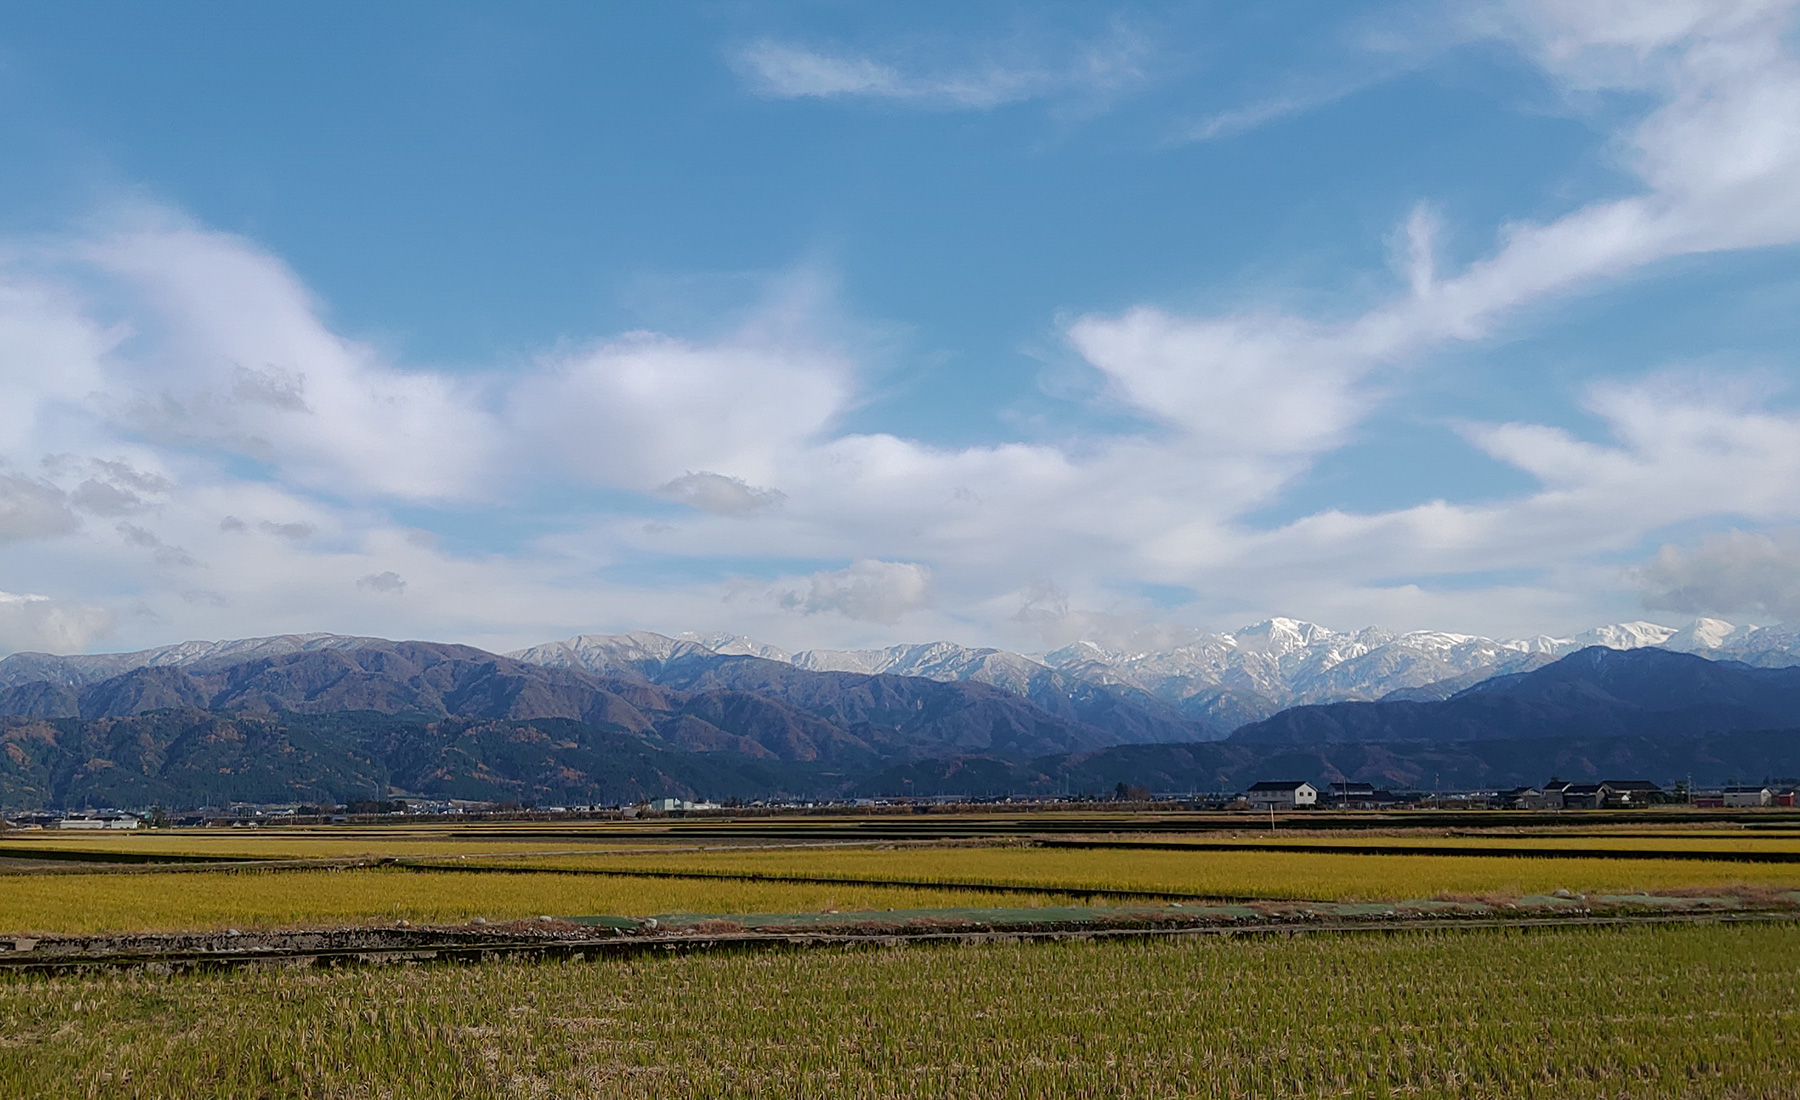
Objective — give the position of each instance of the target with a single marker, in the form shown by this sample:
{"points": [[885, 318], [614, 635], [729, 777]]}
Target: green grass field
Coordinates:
{"points": [[1706, 1011]]}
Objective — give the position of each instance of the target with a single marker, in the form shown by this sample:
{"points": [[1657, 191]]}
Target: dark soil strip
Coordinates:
{"points": [[1431, 850], [78, 856], [619, 946], [949, 826]]}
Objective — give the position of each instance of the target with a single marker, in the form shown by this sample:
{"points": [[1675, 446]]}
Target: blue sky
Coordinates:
{"points": [[845, 324]]}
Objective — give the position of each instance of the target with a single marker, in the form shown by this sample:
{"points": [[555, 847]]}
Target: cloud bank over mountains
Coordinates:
{"points": [[190, 447]]}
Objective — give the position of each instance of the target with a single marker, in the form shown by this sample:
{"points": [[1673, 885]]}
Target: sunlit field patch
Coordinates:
{"points": [[1320, 876], [297, 844], [168, 901], [1669, 842]]}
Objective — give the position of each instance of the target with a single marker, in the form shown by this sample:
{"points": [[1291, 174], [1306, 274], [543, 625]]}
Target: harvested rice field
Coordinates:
{"points": [[1702, 1011]]}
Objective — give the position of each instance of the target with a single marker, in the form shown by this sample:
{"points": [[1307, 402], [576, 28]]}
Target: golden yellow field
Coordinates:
{"points": [[925, 874], [1314, 875], [1666, 842], [170, 901], [297, 844]]}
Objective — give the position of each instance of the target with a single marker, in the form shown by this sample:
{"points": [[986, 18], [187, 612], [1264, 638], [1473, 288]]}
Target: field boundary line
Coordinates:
{"points": [[628, 945], [1485, 852], [819, 880], [89, 855]]}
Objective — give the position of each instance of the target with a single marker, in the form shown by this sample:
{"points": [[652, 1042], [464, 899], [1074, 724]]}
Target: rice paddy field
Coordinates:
{"points": [[449, 874], [200, 901], [1661, 1012], [1703, 1009], [1205, 873]]}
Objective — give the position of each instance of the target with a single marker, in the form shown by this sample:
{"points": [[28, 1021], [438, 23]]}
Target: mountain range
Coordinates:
{"points": [[1217, 681], [606, 717]]}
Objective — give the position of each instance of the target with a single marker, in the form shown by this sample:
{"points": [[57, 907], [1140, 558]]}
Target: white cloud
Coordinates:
{"points": [[39, 623], [637, 412], [1736, 572], [244, 363], [784, 70], [876, 591], [1255, 385], [137, 499], [31, 509], [386, 581], [721, 495]]}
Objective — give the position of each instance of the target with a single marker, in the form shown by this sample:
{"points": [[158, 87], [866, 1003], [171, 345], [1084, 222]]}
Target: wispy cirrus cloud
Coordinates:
{"points": [[781, 69]]}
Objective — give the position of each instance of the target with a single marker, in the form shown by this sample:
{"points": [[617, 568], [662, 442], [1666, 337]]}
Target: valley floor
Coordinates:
{"points": [[1450, 1007]]}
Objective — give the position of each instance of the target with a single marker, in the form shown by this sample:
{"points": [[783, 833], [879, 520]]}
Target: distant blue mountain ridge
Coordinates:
{"points": [[681, 718]]}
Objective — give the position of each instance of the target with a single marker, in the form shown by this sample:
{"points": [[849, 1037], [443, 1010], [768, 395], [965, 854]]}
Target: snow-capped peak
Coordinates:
{"points": [[1279, 637], [1705, 634], [1261, 668], [1632, 635], [735, 645]]}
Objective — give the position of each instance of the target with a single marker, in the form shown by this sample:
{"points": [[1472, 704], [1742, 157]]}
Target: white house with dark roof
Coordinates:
{"points": [[1282, 794]]}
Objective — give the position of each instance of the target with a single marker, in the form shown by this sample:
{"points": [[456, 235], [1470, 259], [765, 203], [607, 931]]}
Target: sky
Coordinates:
{"points": [[842, 324]]}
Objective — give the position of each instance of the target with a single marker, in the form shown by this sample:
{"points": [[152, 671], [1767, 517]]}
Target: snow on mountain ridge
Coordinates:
{"points": [[1252, 672], [79, 669], [735, 645], [1632, 635]]}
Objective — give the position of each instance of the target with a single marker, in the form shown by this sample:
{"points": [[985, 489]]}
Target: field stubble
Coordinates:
{"points": [[1652, 1013]]}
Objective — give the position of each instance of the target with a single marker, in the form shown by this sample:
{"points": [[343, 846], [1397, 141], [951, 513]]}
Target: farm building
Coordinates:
{"points": [[1350, 794], [1531, 798], [1745, 797], [1283, 794], [673, 805], [102, 820]]}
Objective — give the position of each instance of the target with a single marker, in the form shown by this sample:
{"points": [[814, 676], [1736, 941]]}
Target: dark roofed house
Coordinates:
{"points": [[1583, 796], [1631, 792], [1348, 795], [1528, 798], [1282, 794], [1617, 793]]}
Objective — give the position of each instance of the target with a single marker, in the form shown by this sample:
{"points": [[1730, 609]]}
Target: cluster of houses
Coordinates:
{"points": [[1557, 794], [1295, 794], [92, 819]]}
